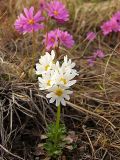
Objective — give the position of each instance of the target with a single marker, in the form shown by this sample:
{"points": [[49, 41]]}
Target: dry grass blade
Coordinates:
{"points": [[10, 153], [89, 112]]}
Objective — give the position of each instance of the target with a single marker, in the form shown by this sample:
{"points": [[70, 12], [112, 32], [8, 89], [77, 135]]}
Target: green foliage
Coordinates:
{"points": [[55, 141]]}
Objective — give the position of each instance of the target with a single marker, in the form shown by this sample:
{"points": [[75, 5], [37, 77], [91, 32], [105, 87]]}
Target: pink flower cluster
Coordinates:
{"points": [[28, 22], [113, 25], [58, 37], [98, 54]]}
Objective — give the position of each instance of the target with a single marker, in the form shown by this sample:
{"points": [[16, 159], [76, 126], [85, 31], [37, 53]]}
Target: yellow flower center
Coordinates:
{"points": [[47, 67], [59, 92], [56, 13], [63, 80], [52, 39], [49, 83], [31, 21]]}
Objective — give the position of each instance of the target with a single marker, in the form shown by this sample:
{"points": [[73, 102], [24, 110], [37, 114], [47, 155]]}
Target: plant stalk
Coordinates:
{"points": [[57, 123], [58, 117], [34, 49]]}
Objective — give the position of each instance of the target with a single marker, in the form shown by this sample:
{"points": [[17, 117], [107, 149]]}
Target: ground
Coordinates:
{"points": [[92, 117]]}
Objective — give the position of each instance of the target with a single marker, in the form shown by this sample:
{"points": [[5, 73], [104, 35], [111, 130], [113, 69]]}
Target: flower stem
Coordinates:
{"points": [[58, 117], [57, 124], [34, 49], [46, 31]]}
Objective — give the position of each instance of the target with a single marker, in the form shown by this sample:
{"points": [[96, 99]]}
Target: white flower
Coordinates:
{"points": [[46, 81], [56, 78], [68, 65], [59, 94], [46, 62], [65, 79]]}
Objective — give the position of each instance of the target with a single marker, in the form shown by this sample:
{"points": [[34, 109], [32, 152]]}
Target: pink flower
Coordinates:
{"points": [[116, 20], [57, 37], [66, 39], [91, 62], [51, 39], [43, 4], [117, 16], [28, 22], [57, 11], [91, 36], [106, 28], [98, 54], [114, 24], [19, 24]]}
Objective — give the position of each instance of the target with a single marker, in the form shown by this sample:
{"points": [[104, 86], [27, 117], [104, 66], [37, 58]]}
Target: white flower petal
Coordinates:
{"points": [[53, 54], [67, 97], [49, 95], [40, 79], [70, 83], [57, 102], [63, 102], [52, 100], [68, 92]]}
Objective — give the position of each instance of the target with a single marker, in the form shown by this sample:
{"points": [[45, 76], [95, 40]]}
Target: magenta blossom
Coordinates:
{"points": [[51, 39], [106, 28], [98, 54], [113, 25], [117, 16], [91, 36], [110, 26], [58, 38], [28, 22], [43, 4], [19, 24], [57, 11], [91, 62], [66, 39], [116, 21]]}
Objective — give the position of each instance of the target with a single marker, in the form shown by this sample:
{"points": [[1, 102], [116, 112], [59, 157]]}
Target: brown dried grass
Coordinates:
{"points": [[96, 95]]}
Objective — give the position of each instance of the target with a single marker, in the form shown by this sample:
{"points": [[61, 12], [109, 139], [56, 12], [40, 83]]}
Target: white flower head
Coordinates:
{"points": [[64, 78], [68, 66], [46, 63], [59, 94], [46, 81]]}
